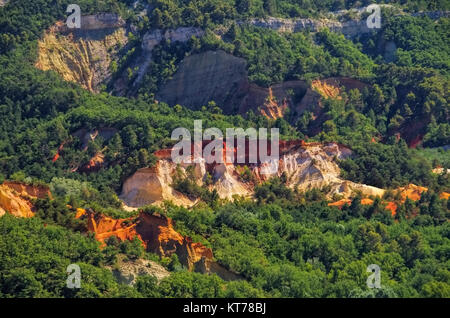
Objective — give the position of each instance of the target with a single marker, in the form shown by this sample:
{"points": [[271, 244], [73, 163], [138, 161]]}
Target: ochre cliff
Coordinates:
{"points": [[152, 186], [221, 77], [306, 166], [155, 231], [158, 234], [15, 198], [82, 56], [325, 90], [411, 191]]}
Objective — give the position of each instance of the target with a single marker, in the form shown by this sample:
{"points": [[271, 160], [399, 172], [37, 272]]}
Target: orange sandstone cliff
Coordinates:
{"points": [[15, 198], [306, 165]]}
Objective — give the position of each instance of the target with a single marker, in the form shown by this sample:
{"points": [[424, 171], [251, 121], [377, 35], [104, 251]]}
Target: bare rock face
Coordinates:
{"points": [[183, 34], [158, 234], [152, 186], [315, 166], [272, 102], [306, 166], [83, 56], [26, 190], [101, 21], [227, 182], [13, 204], [221, 77], [206, 266], [349, 29], [129, 271]]}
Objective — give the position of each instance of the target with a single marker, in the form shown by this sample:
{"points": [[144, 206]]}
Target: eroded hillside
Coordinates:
{"points": [[157, 234], [83, 56], [305, 166]]}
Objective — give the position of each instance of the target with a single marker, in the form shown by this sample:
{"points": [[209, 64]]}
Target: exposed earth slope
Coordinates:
{"points": [[305, 166]]}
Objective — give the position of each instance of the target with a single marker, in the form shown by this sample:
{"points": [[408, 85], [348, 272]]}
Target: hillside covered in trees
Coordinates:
{"points": [[383, 94]]}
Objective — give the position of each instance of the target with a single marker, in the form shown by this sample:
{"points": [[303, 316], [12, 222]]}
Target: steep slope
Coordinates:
{"points": [[152, 185], [155, 231], [306, 166], [350, 28], [83, 56]]}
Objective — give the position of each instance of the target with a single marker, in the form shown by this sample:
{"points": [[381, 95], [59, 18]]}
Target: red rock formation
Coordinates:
{"points": [[391, 206], [104, 227], [33, 191], [158, 234], [411, 191], [284, 147], [155, 231]]}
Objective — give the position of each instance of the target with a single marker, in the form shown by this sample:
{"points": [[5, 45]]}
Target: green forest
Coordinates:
{"points": [[283, 242]]}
